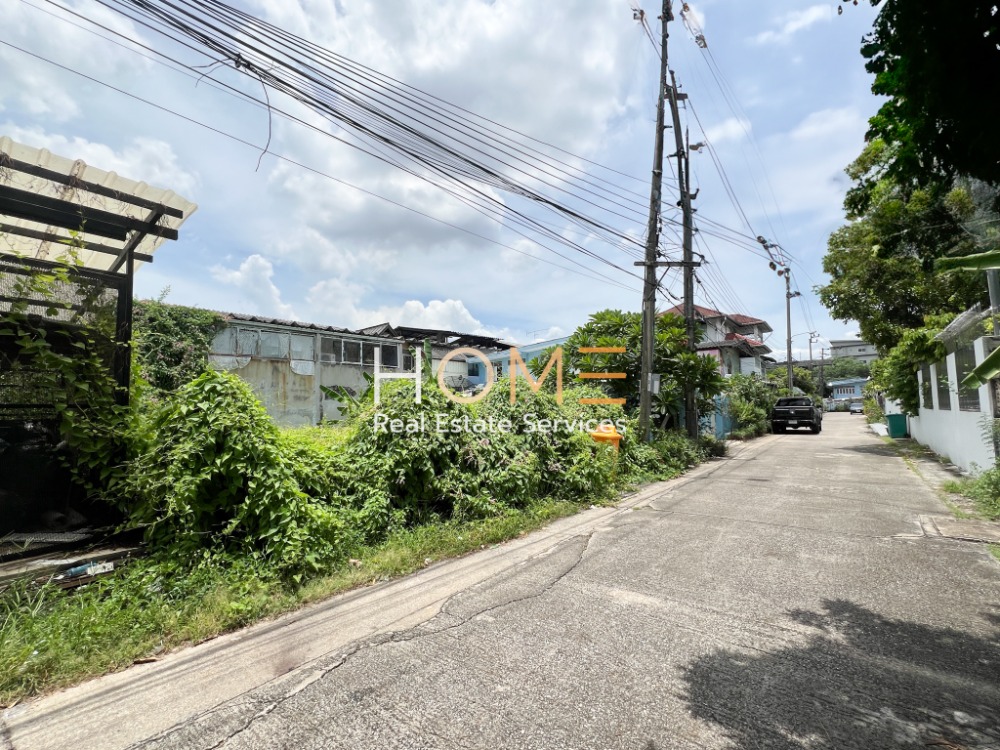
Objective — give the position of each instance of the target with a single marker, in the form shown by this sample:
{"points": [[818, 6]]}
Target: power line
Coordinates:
{"points": [[586, 272], [476, 199], [331, 85]]}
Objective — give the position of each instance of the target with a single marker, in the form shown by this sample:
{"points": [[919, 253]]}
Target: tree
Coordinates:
{"points": [[676, 365], [932, 60], [845, 367], [881, 265], [896, 373], [801, 379]]}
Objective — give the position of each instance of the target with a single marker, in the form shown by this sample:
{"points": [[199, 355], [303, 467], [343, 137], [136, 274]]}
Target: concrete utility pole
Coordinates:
{"points": [[652, 242], [788, 322], [822, 380], [683, 170]]}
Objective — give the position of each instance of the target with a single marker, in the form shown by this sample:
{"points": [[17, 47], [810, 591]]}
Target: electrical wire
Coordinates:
{"points": [[482, 202], [581, 269]]}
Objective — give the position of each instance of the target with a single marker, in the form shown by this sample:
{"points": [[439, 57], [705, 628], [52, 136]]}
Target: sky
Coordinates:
{"points": [[780, 92]]}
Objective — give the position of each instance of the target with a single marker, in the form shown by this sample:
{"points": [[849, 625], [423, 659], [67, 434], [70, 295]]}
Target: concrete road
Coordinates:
{"points": [[785, 597]]}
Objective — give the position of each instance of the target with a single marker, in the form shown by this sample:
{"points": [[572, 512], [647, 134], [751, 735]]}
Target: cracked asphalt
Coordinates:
{"points": [[784, 597]]}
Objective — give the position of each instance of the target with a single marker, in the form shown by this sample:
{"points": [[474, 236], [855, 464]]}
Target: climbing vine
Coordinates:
{"points": [[172, 342], [57, 354]]}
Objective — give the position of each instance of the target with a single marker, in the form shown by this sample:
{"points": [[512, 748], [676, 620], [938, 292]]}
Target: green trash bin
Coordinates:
{"points": [[897, 425]]}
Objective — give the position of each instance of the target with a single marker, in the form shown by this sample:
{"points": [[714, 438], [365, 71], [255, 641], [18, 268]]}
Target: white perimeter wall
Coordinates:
{"points": [[956, 435]]}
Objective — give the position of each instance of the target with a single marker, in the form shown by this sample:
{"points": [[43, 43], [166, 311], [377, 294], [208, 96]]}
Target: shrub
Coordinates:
{"points": [[220, 477], [984, 489], [873, 411]]}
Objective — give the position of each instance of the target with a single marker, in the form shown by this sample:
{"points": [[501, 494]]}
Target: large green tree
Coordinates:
{"points": [[802, 379], [881, 264], [842, 368], [937, 65]]}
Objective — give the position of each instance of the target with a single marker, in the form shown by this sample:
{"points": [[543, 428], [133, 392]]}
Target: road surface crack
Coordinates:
{"points": [[414, 634], [318, 673]]}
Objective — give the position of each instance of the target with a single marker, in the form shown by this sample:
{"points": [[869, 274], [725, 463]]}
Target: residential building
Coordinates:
{"points": [[501, 359], [847, 390], [736, 340], [853, 348]]}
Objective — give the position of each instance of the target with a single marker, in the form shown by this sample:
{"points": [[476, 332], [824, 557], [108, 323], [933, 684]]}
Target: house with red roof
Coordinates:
{"points": [[735, 340]]}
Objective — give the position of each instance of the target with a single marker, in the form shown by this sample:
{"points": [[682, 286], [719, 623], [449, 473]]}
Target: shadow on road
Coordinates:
{"points": [[861, 681]]}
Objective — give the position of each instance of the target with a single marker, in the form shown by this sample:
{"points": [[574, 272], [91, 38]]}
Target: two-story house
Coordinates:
{"points": [[736, 340]]}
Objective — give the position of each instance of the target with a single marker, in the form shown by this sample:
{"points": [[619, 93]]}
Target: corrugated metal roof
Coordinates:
{"points": [[240, 317], [42, 196]]}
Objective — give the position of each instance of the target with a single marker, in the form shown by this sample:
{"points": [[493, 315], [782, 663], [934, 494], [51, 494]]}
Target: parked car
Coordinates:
{"points": [[857, 408], [795, 412]]}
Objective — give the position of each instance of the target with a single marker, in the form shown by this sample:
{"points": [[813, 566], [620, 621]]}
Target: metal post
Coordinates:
{"points": [[652, 242]]}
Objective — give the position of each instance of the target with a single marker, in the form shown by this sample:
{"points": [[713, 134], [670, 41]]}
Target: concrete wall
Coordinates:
{"points": [[952, 433], [289, 386]]}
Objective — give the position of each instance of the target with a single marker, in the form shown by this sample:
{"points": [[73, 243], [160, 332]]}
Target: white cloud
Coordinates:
{"points": [[806, 164], [143, 159], [828, 123], [33, 86], [733, 129], [794, 22], [254, 280], [341, 302]]}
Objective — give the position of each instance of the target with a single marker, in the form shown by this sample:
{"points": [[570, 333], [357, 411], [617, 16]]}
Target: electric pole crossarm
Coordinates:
{"points": [[670, 263]]}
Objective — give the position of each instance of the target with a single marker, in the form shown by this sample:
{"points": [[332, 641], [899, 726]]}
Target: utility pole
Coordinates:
{"points": [[787, 273], [822, 380], [683, 170], [652, 242]]}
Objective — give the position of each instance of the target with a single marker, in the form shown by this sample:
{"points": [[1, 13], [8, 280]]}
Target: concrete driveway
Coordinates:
{"points": [[784, 597]]}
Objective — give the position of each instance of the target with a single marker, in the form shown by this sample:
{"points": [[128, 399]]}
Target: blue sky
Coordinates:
{"points": [[787, 115]]}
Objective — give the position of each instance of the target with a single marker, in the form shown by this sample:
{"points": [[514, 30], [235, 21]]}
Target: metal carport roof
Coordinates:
{"points": [[45, 199]]}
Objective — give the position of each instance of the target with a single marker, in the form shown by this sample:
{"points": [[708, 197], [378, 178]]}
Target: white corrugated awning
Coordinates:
{"points": [[45, 199]]}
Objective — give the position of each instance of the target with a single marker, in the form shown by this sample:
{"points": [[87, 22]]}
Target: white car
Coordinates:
{"points": [[857, 408]]}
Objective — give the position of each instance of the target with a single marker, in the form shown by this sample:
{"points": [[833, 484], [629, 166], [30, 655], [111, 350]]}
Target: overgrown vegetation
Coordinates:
{"points": [[676, 365], [873, 410], [58, 354], [983, 489], [246, 520], [172, 342], [896, 373], [750, 402]]}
